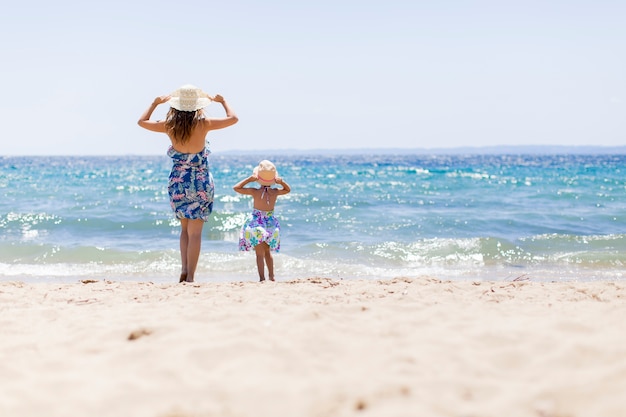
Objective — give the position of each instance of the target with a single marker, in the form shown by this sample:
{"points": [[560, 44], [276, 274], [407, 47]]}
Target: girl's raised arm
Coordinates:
{"points": [[286, 188], [240, 186]]}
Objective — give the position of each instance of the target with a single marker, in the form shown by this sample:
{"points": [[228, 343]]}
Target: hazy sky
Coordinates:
{"points": [[76, 75]]}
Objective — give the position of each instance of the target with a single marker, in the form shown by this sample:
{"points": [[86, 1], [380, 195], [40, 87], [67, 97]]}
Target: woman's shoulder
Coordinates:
{"points": [[206, 123]]}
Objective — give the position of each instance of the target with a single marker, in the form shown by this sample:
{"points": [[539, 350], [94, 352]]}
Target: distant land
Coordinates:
{"points": [[467, 150]]}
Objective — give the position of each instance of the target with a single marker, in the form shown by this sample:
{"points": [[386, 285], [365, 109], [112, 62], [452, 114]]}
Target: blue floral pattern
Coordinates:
{"points": [[260, 226], [191, 187]]}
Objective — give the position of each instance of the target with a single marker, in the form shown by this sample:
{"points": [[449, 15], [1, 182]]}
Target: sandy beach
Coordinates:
{"points": [[313, 347]]}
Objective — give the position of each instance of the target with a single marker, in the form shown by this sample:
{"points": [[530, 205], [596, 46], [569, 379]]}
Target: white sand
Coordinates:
{"points": [[314, 347]]}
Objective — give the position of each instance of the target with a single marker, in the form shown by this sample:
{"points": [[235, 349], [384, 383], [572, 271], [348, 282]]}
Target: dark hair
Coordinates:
{"points": [[180, 124]]}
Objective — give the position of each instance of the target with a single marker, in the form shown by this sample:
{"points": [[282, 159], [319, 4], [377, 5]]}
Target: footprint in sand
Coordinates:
{"points": [[134, 335]]}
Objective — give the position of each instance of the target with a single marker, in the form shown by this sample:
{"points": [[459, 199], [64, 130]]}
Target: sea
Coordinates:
{"points": [[504, 217]]}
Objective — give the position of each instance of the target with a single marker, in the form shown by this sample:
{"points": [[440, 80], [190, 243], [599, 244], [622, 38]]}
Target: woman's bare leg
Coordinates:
{"points": [[194, 244], [184, 242], [260, 260]]}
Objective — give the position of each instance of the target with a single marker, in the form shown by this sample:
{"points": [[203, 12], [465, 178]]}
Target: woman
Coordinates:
{"points": [[190, 186]]}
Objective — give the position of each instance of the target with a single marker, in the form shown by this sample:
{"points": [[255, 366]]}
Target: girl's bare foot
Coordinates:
{"points": [[183, 278]]}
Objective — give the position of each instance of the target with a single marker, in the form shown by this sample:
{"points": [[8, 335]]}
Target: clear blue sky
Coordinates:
{"points": [[76, 75]]}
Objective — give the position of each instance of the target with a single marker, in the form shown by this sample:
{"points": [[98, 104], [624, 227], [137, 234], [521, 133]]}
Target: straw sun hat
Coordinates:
{"points": [[189, 98], [265, 172]]}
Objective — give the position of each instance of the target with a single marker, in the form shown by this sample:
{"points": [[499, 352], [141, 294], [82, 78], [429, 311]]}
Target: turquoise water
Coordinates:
{"points": [[541, 217]]}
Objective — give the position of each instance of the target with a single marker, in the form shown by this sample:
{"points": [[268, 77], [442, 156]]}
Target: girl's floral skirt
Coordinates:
{"points": [[260, 226]]}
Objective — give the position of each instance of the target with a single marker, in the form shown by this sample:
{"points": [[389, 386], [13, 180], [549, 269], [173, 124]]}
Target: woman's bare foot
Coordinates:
{"points": [[183, 278]]}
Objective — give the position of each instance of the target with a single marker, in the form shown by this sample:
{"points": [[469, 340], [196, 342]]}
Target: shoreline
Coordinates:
{"points": [[208, 276], [313, 347]]}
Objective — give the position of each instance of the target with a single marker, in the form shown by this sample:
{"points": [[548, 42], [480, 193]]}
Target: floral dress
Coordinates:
{"points": [[191, 187], [260, 226]]}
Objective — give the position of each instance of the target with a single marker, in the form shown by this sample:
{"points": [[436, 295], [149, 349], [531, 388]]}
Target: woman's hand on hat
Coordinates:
{"points": [[218, 98], [278, 180], [161, 100]]}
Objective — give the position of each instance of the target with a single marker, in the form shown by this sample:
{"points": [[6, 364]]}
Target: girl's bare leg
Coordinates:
{"points": [[260, 260], [269, 261]]}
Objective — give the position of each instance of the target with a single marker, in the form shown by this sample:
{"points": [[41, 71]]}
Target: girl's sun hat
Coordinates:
{"points": [[189, 98], [265, 173]]}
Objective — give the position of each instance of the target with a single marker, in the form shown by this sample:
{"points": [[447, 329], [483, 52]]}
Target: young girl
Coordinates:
{"points": [[190, 186], [261, 230]]}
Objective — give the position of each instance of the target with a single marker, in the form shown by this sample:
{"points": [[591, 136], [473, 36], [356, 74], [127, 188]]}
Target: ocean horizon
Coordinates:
{"points": [[458, 150]]}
